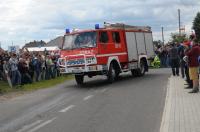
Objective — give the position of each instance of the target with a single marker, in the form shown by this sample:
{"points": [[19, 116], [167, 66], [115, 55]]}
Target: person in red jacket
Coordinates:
{"points": [[193, 63]]}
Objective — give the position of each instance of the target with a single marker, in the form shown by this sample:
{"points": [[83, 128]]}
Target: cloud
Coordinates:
{"points": [[45, 19]]}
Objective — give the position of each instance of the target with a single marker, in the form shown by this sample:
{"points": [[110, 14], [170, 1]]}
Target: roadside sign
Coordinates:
{"points": [[14, 49]]}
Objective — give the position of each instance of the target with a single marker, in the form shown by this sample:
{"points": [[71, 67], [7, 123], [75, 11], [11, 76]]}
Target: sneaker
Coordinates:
{"points": [[194, 91]]}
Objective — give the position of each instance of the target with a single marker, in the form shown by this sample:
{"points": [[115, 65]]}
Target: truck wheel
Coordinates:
{"points": [[79, 79], [111, 74], [142, 70], [117, 75]]}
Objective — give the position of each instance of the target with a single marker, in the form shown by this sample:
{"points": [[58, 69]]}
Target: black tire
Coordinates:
{"points": [[111, 76], [117, 75], [79, 79], [141, 70]]}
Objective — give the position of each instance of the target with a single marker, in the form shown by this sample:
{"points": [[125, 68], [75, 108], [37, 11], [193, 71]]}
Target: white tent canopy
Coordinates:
{"points": [[53, 48]]}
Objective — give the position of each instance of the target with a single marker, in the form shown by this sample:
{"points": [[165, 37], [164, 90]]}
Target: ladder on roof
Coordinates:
{"points": [[124, 26]]}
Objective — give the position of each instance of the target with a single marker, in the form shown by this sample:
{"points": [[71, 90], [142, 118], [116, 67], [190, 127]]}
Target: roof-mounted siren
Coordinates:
{"points": [[67, 30], [97, 26]]}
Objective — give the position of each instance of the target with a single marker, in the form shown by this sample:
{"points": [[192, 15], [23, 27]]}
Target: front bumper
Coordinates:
{"points": [[82, 69], [80, 63]]}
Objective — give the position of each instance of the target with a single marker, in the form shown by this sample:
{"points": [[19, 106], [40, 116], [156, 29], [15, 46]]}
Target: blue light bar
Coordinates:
{"points": [[67, 30], [97, 26]]}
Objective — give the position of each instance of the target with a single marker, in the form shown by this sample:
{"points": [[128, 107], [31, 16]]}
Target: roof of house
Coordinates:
{"points": [[35, 44], [56, 42]]}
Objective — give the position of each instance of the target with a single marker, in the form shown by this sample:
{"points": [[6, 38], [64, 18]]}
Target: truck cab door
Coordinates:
{"points": [[104, 42]]}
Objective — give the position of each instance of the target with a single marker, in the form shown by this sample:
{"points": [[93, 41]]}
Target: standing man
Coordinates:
{"points": [[181, 53], [193, 64], [185, 58], [174, 59], [37, 67], [15, 74], [1, 65], [50, 65]]}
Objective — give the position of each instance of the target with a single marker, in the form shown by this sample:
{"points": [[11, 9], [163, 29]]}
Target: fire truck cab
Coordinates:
{"points": [[109, 51]]}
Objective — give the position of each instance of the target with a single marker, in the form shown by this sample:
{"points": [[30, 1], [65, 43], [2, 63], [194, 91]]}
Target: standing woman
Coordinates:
{"points": [[174, 59]]}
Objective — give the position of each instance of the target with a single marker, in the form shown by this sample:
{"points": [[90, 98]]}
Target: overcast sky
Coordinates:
{"points": [[27, 20]]}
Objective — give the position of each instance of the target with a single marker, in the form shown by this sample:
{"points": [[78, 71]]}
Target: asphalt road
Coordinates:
{"points": [[128, 105]]}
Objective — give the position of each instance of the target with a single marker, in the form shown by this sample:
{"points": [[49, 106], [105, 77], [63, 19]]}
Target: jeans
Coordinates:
{"points": [[175, 66], [175, 71], [167, 62], [26, 78], [182, 65], [43, 73], [163, 61], [1, 75], [16, 77], [49, 73], [54, 72], [37, 75], [188, 80]]}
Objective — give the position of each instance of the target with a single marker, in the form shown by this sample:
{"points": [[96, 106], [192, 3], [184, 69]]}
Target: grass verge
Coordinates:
{"points": [[4, 87]]}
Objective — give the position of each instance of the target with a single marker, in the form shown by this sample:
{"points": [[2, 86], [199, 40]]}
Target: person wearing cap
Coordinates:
{"points": [[193, 64]]}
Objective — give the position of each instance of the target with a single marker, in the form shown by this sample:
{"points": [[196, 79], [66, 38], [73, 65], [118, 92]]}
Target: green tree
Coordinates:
{"points": [[175, 37], [157, 43], [196, 26]]}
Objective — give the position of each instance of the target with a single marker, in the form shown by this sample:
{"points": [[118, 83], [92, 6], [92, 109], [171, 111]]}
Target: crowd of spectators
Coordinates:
{"points": [[162, 53], [184, 56], [28, 67]]}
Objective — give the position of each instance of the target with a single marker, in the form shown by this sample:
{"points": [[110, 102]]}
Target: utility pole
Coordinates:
{"points": [[179, 21], [163, 36]]}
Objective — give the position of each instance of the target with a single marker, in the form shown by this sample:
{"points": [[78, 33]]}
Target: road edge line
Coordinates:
{"points": [[166, 111]]}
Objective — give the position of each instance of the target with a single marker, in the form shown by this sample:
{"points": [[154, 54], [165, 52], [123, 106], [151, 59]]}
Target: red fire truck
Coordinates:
{"points": [[111, 50]]}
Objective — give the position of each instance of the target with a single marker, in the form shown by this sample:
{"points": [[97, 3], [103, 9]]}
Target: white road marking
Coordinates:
{"points": [[25, 128], [67, 108], [167, 107], [103, 90], [88, 97], [42, 125]]}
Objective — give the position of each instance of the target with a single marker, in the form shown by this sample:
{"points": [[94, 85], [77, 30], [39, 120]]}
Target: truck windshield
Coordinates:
{"points": [[80, 40]]}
